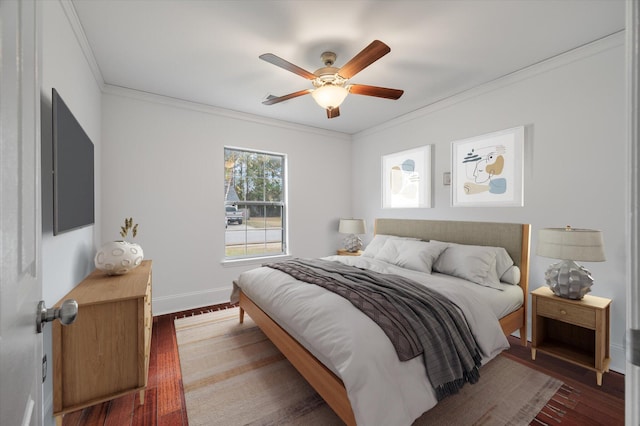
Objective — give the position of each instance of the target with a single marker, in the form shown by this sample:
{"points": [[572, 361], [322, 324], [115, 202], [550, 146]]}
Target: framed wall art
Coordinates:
{"points": [[406, 179], [487, 170]]}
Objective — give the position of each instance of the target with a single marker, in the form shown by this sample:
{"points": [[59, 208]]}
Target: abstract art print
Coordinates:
{"points": [[406, 179], [487, 169]]}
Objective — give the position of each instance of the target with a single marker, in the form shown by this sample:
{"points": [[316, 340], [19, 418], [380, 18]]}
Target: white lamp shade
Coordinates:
{"points": [[352, 226], [329, 95], [571, 244]]}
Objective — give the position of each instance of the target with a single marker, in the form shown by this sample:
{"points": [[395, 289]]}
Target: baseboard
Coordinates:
{"points": [[618, 358], [185, 301]]}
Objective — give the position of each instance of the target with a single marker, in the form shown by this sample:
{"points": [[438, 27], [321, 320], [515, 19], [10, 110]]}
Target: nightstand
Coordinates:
{"points": [[573, 330], [343, 252]]}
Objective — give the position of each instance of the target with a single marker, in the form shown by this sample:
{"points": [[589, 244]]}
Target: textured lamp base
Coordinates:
{"points": [[352, 243], [568, 279]]}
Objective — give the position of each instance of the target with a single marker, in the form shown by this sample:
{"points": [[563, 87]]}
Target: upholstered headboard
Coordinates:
{"points": [[514, 237]]}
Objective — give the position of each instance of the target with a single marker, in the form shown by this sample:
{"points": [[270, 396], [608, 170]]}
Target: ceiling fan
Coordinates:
{"points": [[330, 83]]}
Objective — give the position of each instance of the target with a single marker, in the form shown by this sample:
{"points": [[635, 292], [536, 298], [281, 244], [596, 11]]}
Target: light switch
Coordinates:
{"points": [[446, 178]]}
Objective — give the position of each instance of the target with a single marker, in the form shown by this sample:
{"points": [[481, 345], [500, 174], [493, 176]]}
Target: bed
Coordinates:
{"points": [[277, 304]]}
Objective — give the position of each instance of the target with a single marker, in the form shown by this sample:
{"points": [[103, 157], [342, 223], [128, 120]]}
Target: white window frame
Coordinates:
{"points": [[245, 230]]}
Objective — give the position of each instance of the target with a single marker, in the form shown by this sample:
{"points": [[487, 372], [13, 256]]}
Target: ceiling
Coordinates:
{"points": [[207, 51]]}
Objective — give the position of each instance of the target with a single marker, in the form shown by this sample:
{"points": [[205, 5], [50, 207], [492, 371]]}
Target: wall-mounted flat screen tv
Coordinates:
{"points": [[73, 180]]}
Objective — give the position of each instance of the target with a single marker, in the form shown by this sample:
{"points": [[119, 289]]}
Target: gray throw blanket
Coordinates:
{"points": [[416, 319]]}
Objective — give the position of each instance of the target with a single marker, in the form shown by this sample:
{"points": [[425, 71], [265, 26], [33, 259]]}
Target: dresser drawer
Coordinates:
{"points": [[566, 312]]}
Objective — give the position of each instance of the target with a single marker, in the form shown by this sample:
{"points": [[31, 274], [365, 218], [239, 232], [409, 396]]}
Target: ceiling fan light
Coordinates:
{"points": [[329, 95]]}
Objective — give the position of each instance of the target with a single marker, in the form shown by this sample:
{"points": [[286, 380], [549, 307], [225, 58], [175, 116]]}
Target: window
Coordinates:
{"points": [[255, 203]]}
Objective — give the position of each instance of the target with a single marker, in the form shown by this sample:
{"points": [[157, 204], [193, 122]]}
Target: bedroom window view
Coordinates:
{"points": [[254, 202]]}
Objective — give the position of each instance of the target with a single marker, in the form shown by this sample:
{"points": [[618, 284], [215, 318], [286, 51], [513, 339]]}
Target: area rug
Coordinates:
{"points": [[233, 375]]}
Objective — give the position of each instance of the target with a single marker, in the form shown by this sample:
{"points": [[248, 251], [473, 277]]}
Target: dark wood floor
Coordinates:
{"points": [[579, 402], [583, 402]]}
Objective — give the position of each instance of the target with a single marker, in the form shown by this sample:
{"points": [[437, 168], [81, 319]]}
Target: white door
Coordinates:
{"points": [[20, 220], [632, 372]]}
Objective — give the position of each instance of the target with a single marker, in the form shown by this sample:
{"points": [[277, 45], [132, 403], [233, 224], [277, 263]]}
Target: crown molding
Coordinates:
{"points": [[220, 112], [78, 31], [606, 43], [609, 42], [83, 42]]}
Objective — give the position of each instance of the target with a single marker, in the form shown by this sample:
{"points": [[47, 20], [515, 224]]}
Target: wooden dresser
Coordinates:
{"points": [[104, 354]]}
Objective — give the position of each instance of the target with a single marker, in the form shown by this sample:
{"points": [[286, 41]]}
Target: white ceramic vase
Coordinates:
{"points": [[118, 257]]}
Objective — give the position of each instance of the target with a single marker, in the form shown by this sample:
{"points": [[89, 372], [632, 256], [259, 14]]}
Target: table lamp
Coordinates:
{"points": [[566, 278], [352, 243]]}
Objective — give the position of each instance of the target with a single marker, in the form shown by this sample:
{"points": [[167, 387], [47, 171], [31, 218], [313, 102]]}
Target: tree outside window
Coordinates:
{"points": [[255, 205]]}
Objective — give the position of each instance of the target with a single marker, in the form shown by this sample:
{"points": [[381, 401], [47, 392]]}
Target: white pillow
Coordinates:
{"points": [[472, 263], [503, 262], [378, 241], [410, 254], [511, 276]]}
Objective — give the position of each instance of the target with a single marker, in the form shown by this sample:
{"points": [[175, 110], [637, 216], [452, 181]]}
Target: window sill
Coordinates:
{"points": [[230, 263]]}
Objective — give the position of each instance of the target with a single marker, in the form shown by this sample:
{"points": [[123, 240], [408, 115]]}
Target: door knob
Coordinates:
{"points": [[66, 313]]}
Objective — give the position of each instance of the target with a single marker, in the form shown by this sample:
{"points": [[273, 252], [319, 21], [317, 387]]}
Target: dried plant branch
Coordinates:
{"points": [[128, 225]]}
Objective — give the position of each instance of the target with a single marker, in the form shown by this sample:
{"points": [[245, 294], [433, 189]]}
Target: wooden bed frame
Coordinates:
{"points": [[513, 237]]}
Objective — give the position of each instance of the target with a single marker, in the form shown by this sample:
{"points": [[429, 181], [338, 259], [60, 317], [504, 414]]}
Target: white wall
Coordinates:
{"points": [[66, 258], [573, 107], [162, 164]]}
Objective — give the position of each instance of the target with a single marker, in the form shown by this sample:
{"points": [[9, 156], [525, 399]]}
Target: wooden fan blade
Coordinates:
{"points": [[333, 112], [279, 62], [366, 57], [380, 92], [276, 99]]}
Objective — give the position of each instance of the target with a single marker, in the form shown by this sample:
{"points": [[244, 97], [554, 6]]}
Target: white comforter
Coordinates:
{"points": [[382, 390]]}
